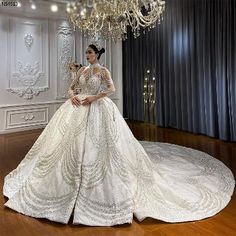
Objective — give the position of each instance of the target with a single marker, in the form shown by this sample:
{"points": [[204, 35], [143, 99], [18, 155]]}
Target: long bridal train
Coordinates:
{"points": [[87, 162]]}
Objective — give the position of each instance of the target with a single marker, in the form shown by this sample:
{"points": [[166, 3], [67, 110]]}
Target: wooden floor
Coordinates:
{"points": [[13, 148]]}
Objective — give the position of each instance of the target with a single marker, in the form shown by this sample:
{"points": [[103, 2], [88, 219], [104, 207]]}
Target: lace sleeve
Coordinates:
{"points": [[107, 80], [75, 81]]}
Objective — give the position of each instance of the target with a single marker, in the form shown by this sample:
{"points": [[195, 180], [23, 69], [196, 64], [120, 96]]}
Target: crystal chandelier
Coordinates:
{"points": [[110, 18]]}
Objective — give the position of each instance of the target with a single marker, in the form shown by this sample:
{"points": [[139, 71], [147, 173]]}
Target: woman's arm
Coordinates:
{"points": [[75, 81], [110, 88]]}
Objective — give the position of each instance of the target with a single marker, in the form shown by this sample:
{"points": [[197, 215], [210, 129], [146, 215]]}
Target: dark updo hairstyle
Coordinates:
{"points": [[100, 52]]}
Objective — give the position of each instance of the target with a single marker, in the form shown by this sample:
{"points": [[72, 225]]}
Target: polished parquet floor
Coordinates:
{"points": [[14, 146]]}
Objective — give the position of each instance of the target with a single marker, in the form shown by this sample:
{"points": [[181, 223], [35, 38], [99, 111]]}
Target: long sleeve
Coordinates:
{"points": [[75, 81], [107, 80]]}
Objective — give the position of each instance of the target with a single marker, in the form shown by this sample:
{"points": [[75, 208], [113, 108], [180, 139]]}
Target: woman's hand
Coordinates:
{"points": [[75, 101], [89, 100], [73, 66]]}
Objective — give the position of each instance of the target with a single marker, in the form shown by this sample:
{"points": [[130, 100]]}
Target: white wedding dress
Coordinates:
{"points": [[87, 164]]}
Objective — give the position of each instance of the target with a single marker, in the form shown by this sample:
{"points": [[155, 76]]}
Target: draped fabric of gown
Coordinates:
{"points": [[88, 165]]}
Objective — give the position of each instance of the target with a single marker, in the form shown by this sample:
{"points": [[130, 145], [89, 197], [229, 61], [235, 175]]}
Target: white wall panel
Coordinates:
{"points": [[27, 56]]}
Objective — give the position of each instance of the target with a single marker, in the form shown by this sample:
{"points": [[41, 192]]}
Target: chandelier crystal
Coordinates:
{"points": [[110, 18]]}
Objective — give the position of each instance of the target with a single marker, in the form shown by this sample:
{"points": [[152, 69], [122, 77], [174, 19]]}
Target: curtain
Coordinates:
{"points": [[192, 54]]}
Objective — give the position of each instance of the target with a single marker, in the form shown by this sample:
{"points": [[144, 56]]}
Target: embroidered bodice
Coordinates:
{"points": [[92, 79]]}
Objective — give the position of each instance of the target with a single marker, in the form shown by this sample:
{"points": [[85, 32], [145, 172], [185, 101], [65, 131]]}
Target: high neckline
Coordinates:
{"points": [[94, 64]]}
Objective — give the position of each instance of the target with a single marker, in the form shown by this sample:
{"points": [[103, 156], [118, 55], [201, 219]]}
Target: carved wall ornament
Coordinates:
{"points": [[64, 59], [63, 30], [65, 52], [27, 76], [28, 116], [28, 40]]}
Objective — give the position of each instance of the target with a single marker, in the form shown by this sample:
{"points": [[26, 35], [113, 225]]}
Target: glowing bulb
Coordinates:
{"points": [[153, 78], [148, 71], [54, 8], [83, 12], [33, 6], [69, 7]]}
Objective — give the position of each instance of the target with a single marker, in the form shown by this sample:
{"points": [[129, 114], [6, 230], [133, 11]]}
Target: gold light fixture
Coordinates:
{"points": [[110, 18], [149, 97]]}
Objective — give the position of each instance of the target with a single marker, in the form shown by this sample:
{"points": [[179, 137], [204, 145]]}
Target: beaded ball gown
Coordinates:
{"points": [[88, 165]]}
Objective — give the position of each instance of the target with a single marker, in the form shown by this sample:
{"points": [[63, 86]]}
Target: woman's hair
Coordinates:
{"points": [[100, 52]]}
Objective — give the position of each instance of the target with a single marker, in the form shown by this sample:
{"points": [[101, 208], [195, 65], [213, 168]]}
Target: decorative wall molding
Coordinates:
{"points": [[64, 59], [27, 57], [32, 104], [28, 40], [64, 30], [27, 93], [65, 55], [26, 117], [27, 76], [65, 37]]}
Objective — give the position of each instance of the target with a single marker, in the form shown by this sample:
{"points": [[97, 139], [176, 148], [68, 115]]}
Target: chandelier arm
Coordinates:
{"points": [[130, 20], [146, 20], [138, 22], [139, 19], [97, 24]]}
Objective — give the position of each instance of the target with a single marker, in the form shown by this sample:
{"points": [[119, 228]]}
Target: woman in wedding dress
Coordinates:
{"points": [[87, 164]]}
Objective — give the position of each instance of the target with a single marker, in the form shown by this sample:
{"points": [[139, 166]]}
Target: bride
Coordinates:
{"points": [[87, 164]]}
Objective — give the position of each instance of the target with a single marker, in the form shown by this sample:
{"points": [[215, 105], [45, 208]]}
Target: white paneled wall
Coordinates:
{"points": [[34, 78]]}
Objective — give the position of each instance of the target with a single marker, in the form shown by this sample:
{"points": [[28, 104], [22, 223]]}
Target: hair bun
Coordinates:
{"points": [[102, 51]]}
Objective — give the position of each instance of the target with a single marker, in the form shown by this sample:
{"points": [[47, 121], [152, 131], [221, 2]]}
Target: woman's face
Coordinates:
{"points": [[91, 56]]}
